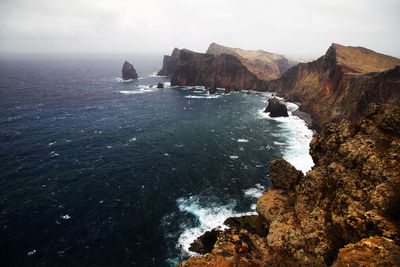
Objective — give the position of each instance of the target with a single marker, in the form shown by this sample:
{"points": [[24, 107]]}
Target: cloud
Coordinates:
{"points": [[140, 26]]}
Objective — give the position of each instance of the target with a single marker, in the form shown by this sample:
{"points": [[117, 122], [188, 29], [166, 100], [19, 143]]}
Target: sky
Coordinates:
{"points": [[291, 27]]}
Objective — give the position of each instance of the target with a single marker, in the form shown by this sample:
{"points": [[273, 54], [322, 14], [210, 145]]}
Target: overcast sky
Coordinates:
{"points": [[290, 27]]}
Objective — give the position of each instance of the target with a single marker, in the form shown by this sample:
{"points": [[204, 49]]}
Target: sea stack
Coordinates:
{"points": [[128, 71], [276, 108]]}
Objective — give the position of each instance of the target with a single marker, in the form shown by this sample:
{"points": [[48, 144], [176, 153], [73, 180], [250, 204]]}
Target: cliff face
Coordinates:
{"points": [[224, 70], [346, 210], [340, 84], [170, 63], [266, 66]]}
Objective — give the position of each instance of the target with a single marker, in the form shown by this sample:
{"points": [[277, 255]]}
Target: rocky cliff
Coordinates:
{"points": [[265, 65], [231, 68], [224, 70], [170, 63], [340, 84], [343, 212]]}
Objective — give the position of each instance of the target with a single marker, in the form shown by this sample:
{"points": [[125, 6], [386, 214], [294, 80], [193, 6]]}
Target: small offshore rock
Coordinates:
{"points": [[160, 85], [128, 71], [276, 108]]}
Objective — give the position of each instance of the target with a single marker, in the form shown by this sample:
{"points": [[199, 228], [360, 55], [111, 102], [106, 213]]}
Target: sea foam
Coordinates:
{"points": [[210, 216], [297, 137]]}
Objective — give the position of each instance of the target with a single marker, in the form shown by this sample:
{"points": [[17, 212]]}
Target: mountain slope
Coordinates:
{"points": [[266, 66], [340, 84]]}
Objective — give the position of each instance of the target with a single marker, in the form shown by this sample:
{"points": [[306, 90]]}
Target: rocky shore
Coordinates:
{"points": [[343, 212]]}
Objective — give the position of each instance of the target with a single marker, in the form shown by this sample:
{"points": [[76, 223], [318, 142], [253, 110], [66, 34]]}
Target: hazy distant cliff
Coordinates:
{"points": [[264, 65], [231, 68], [170, 63], [341, 83], [226, 70]]}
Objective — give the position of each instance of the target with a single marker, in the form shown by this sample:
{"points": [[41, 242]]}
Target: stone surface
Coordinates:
{"points": [[283, 175], [205, 243], [276, 108], [341, 84], [345, 211], [128, 71], [373, 251], [160, 85]]}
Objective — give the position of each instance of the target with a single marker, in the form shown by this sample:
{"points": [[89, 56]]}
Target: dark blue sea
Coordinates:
{"points": [[96, 171]]}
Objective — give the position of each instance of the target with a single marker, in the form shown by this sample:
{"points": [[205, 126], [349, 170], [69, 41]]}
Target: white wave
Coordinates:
{"points": [[66, 217], [243, 140], [167, 84], [254, 192], [205, 96], [52, 143], [120, 80], [210, 216], [140, 91], [234, 157], [279, 143], [297, 137], [133, 139]]}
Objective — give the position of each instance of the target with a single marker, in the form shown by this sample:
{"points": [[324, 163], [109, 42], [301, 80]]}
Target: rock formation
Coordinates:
{"points": [[128, 71], [160, 85], [227, 71], [266, 66], [231, 68], [276, 108], [169, 63], [345, 211], [340, 84]]}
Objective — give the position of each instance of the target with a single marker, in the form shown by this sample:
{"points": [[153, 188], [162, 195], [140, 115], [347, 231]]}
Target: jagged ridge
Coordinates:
{"points": [[340, 84]]}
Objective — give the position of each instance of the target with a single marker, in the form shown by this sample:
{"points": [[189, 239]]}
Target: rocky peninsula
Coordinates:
{"points": [[343, 212]]}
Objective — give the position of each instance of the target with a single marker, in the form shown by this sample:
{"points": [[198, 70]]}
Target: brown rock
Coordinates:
{"points": [[170, 63], [373, 251], [345, 211], [341, 84], [276, 108], [283, 175], [205, 243]]}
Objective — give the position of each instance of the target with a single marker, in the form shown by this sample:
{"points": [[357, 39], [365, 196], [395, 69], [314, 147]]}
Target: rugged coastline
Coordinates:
{"points": [[348, 204]]}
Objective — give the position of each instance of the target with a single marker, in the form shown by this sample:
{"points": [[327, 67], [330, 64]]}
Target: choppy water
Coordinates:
{"points": [[99, 172]]}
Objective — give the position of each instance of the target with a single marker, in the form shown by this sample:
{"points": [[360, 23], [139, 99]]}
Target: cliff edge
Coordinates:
{"points": [[343, 212], [265, 65], [341, 84]]}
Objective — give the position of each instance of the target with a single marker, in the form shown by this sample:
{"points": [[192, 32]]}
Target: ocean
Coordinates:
{"points": [[96, 171]]}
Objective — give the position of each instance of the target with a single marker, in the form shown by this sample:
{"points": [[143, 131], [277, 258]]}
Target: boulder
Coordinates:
{"points": [[283, 175], [276, 108], [205, 243], [128, 71], [160, 85]]}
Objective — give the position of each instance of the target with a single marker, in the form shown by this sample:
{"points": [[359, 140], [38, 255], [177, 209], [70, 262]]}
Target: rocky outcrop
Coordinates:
{"points": [[170, 63], [373, 251], [205, 243], [230, 68], [276, 108], [340, 84], [160, 85], [345, 211], [266, 66], [128, 71], [224, 71]]}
